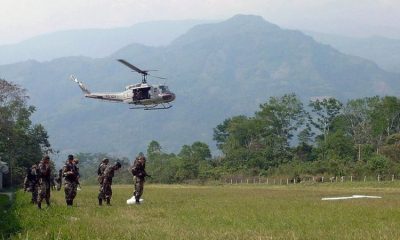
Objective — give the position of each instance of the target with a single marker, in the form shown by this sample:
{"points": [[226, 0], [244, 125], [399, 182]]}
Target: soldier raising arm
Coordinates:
{"points": [[105, 190]]}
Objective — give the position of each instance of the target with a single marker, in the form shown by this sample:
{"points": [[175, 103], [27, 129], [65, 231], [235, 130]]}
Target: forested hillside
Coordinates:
{"points": [[216, 70]]}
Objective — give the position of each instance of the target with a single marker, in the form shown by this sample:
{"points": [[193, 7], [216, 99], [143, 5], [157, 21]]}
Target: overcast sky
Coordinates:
{"points": [[22, 19]]}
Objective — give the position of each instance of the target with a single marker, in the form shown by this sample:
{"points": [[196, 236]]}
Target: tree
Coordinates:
{"points": [[359, 114], [221, 133], [280, 118], [21, 142], [153, 149], [325, 111]]}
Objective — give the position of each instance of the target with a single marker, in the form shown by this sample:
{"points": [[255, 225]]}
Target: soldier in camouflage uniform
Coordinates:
{"points": [[105, 190], [30, 182], [70, 174], [100, 177], [139, 173], [44, 181]]}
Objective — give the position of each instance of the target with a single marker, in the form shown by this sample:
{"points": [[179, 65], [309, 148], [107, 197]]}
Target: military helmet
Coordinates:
{"points": [[70, 157], [46, 157], [118, 164], [105, 160]]}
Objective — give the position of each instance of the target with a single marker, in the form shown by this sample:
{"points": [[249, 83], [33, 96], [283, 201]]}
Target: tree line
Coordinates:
{"points": [[22, 143], [284, 137], [288, 138]]}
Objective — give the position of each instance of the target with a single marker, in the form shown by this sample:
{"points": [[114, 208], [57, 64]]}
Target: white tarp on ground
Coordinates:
{"points": [[349, 197], [132, 200]]}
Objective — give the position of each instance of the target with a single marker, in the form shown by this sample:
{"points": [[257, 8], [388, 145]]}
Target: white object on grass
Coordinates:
{"points": [[132, 200], [350, 197]]}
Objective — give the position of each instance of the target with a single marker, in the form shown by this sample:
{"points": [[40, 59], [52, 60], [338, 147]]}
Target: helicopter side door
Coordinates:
{"points": [[141, 93]]}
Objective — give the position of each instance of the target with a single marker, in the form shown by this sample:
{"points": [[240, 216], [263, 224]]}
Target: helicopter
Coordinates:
{"points": [[142, 95]]}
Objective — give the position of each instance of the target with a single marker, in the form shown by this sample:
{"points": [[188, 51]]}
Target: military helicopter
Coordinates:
{"points": [[144, 95]]}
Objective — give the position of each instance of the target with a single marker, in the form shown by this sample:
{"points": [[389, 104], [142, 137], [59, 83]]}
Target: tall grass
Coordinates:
{"points": [[217, 212]]}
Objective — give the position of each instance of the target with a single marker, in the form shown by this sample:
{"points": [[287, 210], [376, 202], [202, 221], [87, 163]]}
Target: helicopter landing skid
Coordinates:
{"points": [[154, 107]]}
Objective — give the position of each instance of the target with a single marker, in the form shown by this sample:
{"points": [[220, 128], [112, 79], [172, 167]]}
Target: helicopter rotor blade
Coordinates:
{"points": [[157, 77], [132, 67]]}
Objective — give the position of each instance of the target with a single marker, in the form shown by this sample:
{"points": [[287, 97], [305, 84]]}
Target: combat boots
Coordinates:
{"points": [[39, 205], [69, 203], [100, 201], [108, 202]]}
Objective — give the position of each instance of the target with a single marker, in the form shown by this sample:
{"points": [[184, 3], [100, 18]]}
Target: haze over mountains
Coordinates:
{"points": [[93, 42], [384, 51], [217, 70]]}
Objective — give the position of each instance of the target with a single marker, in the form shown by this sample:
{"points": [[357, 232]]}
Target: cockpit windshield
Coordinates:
{"points": [[164, 89]]}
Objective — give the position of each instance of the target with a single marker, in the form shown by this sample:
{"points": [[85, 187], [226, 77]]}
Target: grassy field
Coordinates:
{"points": [[216, 212]]}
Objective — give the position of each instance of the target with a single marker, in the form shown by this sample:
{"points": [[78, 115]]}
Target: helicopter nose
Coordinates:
{"points": [[169, 97]]}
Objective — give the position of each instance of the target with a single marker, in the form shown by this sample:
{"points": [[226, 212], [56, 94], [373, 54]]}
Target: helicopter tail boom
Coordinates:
{"points": [[81, 86]]}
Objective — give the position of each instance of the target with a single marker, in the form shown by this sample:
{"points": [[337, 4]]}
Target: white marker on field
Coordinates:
{"points": [[350, 197]]}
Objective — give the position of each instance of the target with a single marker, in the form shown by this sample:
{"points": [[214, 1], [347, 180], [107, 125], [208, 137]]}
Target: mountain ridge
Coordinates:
{"points": [[215, 76]]}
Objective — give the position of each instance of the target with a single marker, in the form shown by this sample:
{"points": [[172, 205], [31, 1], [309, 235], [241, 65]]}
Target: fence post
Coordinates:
{"points": [[365, 178], [274, 181], [267, 181], [287, 181], [342, 178], [351, 178], [231, 181], [259, 180], [393, 178], [379, 178], [322, 179], [247, 181]]}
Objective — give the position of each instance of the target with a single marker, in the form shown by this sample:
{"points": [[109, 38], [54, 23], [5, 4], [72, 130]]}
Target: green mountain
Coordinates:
{"points": [[384, 51], [217, 71]]}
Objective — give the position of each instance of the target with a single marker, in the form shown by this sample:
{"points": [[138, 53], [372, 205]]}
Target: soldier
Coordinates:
{"points": [[70, 173], [100, 176], [105, 190], [139, 173], [30, 182], [44, 181], [101, 168]]}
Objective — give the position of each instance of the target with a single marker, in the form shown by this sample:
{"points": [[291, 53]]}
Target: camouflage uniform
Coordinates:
{"points": [[70, 173], [105, 190], [139, 174], [44, 182], [31, 181], [100, 173]]}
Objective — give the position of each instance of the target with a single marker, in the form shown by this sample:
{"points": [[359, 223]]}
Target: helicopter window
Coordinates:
{"points": [[163, 89]]}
